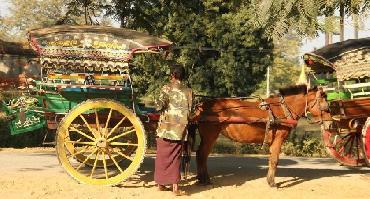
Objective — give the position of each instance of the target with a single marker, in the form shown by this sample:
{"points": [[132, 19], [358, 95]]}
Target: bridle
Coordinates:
{"points": [[289, 113], [312, 104]]}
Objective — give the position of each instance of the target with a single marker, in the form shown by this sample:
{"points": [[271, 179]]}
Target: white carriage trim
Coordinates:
{"points": [[358, 85], [353, 87]]}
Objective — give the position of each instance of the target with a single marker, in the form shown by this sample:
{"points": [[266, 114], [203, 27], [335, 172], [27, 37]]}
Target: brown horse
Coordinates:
{"points": [[245, 122]]}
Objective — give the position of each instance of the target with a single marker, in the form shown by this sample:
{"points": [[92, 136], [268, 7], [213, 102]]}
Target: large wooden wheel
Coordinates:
{"points": [[100, 142], [345, 146], [366, 140]]}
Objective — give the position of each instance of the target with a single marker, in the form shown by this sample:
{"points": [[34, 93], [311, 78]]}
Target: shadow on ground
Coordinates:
{"points": [[224, 170], [235, 171]]}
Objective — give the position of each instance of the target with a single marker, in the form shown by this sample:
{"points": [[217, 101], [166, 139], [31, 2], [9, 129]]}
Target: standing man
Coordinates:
{"points": [[174, 103]]}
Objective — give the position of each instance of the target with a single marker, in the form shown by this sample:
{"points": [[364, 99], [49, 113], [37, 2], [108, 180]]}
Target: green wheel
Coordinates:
{"points": [[100, 142]]}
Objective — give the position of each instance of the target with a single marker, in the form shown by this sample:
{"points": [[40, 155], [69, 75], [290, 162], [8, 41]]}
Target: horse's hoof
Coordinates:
{"points": [[271, 183], [203, 183]]}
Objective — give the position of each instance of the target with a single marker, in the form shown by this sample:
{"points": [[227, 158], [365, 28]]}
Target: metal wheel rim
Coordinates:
{"points": [[64, 145]]}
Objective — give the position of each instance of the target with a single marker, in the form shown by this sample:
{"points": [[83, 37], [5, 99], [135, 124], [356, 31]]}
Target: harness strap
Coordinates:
{"points": [[270, 121], [287, 113]]}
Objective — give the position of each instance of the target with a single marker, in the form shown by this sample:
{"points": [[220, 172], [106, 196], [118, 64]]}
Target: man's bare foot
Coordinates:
{"points": [[176, 191], [179, 193], [163, 188]]}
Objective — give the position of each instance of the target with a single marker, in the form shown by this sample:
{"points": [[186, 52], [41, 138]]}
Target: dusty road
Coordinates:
{"points": [[35, 173]]}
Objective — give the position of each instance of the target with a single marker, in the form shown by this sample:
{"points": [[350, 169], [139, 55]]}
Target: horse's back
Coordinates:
{"points": [[238, 119], [233, 107]]}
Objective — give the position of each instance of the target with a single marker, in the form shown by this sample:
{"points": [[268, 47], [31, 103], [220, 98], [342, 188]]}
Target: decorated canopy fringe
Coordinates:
{"points": [[349, 59]]}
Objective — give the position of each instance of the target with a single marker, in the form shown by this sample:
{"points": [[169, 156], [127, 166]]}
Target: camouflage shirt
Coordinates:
{"points": [[175, 103]]}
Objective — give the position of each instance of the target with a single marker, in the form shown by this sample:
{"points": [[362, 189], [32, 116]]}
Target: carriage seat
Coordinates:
{"points": [[358, 89]]}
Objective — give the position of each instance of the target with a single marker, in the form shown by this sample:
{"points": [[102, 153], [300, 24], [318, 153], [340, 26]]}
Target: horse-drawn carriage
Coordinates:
{"points": [[343, 70], [85, 93]]}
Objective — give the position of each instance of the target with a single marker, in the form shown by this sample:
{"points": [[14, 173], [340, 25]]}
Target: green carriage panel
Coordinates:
{"points": [[24, 115], [62, 98], [330, 96], [26, 122]]}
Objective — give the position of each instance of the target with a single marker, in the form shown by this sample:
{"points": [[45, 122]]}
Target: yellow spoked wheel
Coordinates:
{"points": [[100, 142]]}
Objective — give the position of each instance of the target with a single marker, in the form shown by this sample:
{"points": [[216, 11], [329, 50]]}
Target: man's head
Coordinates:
{"points": [[177, 72]]}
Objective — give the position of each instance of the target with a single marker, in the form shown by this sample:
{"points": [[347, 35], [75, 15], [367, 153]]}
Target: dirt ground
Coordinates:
{"points": [[35, 173]]}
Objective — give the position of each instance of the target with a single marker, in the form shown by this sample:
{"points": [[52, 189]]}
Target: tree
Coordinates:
{"points": [[2, 29], [223, 54], [285, 67], [134, 14], [89, 9], [30, 14], [277, 17]]}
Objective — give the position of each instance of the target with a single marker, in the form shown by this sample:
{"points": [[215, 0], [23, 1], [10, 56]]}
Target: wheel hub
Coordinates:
{"points": [[101, 143]]}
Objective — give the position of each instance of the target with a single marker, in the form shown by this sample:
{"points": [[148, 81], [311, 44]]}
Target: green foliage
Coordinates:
{"points": [[89, 9], [280, 16], [222, 53], [224, 148], [251, 149], [331, 24], [149, 73], [303, 145], [30, 14], [307, 146], [305, 140], [277, 17], [139, 14], [285, 69]]}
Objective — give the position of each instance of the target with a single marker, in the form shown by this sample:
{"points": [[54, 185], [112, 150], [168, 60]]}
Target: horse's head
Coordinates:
{"points": [[317, 104]]}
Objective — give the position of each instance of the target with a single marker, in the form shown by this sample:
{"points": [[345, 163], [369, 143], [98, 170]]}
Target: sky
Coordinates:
{"points": [[319, 41], [308, 44], [3, 6]]}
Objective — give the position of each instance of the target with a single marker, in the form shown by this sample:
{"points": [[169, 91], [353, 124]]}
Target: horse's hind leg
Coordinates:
{"points": [[208, 137], [275, 149]]}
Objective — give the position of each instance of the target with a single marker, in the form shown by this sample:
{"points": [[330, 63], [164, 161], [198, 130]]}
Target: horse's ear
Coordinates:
{"points": [[320, 92], [314, 89]]}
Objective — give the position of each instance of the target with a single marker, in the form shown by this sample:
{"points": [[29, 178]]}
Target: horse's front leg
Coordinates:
{"points": [[275, 149], [208, 138]]}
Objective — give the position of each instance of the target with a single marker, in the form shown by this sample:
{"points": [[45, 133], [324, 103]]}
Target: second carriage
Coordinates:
{"points": [[343, 70]]}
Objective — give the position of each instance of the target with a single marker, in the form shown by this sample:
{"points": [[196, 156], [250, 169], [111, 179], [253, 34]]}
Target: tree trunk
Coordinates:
{"points": [[85, 13], [341, 11], [355, 25], [268, 82], [327, 36]]}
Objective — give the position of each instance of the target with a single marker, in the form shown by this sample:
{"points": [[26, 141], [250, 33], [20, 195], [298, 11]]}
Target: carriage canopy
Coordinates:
{"points": [[349, 59], [92, 47]]}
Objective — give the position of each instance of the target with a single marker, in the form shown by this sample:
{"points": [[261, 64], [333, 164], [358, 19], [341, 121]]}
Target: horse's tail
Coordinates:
{"points": [[188, 147], [192, 129]]}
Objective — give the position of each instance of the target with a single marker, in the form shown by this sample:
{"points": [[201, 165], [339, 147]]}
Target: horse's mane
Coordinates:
{"points": [[293, 90]]}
